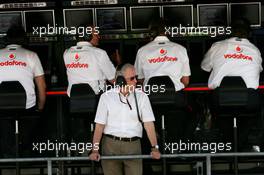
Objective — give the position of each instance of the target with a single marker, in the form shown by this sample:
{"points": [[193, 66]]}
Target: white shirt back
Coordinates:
{"points": [[162, 57], [88, 64], [233, 57], [19, 64]]}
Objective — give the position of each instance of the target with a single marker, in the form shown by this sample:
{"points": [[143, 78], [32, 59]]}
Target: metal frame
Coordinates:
{"points": [[113, 8], [244, 3], [171, 6], [208, 157], [218, 4]]}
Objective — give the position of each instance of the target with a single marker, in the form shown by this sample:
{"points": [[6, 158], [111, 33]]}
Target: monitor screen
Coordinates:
{"points": [[178, 14], [41, 18], [8, 19], [141, 17], [111, 19], [249, 11], [77, 17], [212, 14]]}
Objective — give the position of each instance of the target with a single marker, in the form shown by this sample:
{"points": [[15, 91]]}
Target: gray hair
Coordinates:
{"points": [[125, 67]]}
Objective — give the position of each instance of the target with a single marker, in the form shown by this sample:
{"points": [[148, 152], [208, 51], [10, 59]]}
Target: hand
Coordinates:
{"points": [[155, 154], [94, 156]]}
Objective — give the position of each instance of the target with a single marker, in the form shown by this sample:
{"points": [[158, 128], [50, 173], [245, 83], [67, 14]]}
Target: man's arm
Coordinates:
{"points": [[150, 129], [41, 85], [99, 128], [185, 80]]}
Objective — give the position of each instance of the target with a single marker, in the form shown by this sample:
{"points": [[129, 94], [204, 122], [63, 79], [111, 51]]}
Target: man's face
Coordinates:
{"points": [[130, 76]]}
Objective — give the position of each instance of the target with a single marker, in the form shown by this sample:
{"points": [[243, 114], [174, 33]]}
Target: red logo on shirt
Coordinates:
{"points": [[12, 56], [77, 57], [239, 49], [163, 51]]}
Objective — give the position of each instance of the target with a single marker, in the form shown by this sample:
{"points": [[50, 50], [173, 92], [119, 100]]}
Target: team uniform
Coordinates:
{"points": [[88, 64], [19, 64], [161, 57], [233, 57], [119, 115]]}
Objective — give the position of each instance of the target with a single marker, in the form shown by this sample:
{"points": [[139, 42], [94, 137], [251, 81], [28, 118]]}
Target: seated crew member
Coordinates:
{"points": [[20, 64], [162, 57], [119, 125], [85, 63], [235, 56]]}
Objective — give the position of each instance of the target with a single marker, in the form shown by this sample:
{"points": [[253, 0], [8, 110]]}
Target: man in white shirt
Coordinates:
{"points": [[235, 56], [19, 64], [161, 57], [85, 63], [119, 124]]}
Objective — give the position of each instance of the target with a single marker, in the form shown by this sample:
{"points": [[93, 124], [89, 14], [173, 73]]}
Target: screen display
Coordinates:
{"points": [[212, 15], [141, 17], [249, 11], [177, 15], [38, 19], [78, 17], [111, 19], [8, 19]]}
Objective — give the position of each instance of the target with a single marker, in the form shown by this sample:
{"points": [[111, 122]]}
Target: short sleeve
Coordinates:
{"points": [[138, 66], [107, 66], [186, 71], [101, 113], [206, 64], [35, 65], [146, 110]]}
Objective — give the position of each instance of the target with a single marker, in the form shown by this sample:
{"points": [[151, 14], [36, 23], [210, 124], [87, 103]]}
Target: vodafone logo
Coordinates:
{"points": [[163, 52], [239, 49], [12, 56], [77, 57]]}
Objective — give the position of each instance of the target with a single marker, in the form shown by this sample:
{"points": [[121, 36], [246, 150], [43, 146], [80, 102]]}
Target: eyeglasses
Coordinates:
{"points": [[127, 102], [133, 78]]}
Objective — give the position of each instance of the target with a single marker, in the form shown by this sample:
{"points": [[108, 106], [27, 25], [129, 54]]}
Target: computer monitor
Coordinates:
{"points": [[178, 14], [142, 16], [38, 18], [111, 19], [8, 19], [212, 14], [77, 17], [250, 11]]}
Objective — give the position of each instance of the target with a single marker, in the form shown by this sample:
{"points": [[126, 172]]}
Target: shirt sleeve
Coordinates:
{"points": [[101, 113], [35, 65], [146, 110], [186, 71], [138, 66], [207, 64], [107, 66]]}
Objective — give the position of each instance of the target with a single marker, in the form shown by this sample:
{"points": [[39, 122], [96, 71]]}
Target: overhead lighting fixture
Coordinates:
{"points": [[92, 2], [23, 5]]}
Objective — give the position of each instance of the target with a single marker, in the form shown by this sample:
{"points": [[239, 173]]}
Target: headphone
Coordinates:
{"points": [[120, 81]]}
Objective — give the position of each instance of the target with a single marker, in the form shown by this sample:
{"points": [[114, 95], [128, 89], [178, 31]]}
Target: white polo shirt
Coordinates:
{"points": [[118, 118], [162, 57], [19, 64], [88, 64], [233, 57]]}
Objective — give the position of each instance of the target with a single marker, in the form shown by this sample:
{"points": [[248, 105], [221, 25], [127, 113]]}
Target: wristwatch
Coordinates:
{"points": [[155, 147]]}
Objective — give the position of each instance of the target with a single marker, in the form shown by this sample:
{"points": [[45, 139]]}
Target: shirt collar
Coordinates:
{"points": [[161, 38], [13, 46], [84, 43]]}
